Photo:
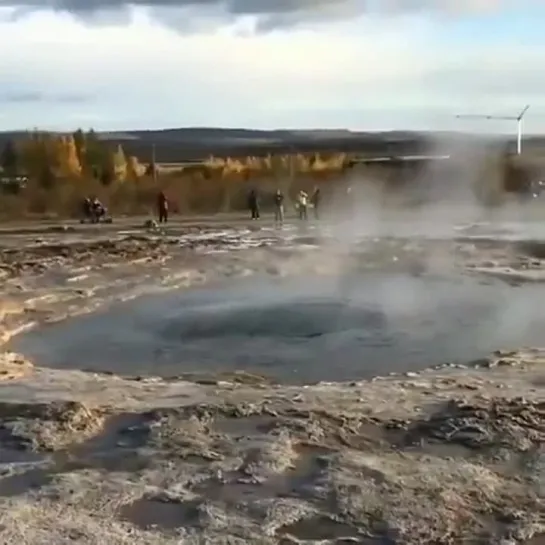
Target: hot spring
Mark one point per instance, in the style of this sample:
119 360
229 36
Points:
298 329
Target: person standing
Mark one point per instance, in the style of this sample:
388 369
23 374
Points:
315 199
98 210
302 201
87 209
278 207
253 204
162 207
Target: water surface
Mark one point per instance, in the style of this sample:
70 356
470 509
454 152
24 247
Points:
299 329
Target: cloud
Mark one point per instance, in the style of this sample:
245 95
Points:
32 97
369 72
267 14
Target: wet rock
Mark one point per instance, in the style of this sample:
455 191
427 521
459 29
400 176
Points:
151 224
516 423
14 366
52 426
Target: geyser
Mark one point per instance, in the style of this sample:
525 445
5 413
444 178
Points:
298 329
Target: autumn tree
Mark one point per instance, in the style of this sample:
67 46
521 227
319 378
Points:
133 169
81 149
67 159
119 164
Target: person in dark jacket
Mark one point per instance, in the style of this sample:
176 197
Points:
253 204
315 200
278 207
162 207
98 210
87 209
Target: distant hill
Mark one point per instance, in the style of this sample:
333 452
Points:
193 144
197 143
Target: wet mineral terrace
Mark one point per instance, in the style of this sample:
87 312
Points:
447 455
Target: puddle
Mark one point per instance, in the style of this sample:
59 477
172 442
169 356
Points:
321 328
245 426
156 513
320 528
116 447
22 483
303 480
442 450
9 456
536 540
121 431
12 445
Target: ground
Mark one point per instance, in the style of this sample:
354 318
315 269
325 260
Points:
449 455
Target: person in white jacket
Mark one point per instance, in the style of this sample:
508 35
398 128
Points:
302 202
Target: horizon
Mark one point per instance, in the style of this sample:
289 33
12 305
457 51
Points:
360 65
415 132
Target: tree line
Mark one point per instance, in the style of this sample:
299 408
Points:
46 157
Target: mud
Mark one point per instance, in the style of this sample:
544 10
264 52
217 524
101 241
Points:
448 455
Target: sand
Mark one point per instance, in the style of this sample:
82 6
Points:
450 455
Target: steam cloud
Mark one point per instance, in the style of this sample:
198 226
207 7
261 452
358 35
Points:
269 13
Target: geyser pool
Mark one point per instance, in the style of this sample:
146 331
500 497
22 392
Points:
297 329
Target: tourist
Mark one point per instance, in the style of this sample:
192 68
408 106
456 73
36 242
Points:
279 207
98 210
315 200
162 207
253 204
87 209
302 202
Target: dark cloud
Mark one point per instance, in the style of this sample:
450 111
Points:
269 14
234 7
32 97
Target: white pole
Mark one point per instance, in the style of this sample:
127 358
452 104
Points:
153 164
519 136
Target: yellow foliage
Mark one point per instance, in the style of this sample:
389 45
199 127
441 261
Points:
267 162
214 162
253 163
233 166
134 169
119 164
301 163
280 164
67 157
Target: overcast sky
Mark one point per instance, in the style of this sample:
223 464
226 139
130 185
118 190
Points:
358 64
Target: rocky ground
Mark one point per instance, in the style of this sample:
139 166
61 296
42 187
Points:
452 455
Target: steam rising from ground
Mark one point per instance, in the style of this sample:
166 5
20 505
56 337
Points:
96 458
445 200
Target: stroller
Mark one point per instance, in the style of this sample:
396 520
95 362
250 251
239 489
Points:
94 212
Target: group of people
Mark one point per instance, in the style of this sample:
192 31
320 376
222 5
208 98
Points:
303 201
93 209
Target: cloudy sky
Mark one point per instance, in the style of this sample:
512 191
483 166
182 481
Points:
359 64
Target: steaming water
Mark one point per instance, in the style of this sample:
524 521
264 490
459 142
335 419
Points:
298 330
